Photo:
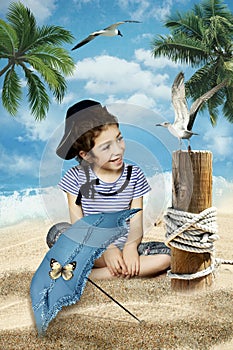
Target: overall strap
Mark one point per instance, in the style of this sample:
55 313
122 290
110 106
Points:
82 188
89 185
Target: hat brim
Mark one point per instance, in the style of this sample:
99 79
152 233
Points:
76 112
64 149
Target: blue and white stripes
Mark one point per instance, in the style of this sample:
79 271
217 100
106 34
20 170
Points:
137 187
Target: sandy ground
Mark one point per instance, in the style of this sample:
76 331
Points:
171 320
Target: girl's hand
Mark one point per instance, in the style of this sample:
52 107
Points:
131 259
114 261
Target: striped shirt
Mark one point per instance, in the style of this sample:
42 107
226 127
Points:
137 187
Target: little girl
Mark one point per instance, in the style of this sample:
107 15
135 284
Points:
102 182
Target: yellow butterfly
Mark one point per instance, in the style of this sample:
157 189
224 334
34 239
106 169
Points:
57 270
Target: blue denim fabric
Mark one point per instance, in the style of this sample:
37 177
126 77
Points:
145 248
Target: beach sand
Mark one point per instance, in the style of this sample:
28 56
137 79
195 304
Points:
197 320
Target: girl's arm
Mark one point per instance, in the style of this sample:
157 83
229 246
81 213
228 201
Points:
75 210
130 253
136 223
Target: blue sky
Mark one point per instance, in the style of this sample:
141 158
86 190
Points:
119 72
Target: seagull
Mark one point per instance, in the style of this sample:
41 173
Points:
109 31
184 119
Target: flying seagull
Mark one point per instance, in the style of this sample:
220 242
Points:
184 119
109 31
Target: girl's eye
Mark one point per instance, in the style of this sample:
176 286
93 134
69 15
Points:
120 138
105 148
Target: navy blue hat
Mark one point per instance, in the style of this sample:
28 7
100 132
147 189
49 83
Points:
74 114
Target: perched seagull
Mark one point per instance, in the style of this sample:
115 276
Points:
109 31
184 119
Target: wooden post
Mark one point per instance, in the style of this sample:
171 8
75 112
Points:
191 192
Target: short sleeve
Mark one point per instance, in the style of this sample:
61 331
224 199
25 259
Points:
141 186
71 181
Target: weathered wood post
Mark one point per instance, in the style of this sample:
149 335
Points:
191 192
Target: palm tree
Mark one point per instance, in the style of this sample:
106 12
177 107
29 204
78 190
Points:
37 52
203 38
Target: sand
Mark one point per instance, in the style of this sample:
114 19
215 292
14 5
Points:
197 320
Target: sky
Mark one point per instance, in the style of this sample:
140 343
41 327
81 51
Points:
122 74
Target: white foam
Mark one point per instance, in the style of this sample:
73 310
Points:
31 204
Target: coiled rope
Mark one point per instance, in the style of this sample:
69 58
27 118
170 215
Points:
193 233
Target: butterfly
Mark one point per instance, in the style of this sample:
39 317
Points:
57 270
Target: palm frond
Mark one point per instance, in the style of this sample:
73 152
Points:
55 35
54 57
11 92
204 80
8 39
46 71
37 96
180 48
51 76
45 36
218 33
60 89
228 66
190 25
201 81
213 114
211 8
23 22
228 105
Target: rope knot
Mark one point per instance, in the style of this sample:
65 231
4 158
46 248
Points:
191 232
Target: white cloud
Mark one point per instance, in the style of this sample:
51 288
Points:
17 164
221 145
104 67
145 37
41 130
135 99
141 9
163 11
70 97
146 57
112 75
37 130
41 9
219 140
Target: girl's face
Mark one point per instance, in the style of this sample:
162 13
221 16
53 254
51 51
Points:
109 149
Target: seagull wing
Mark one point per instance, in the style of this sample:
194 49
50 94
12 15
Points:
115 25
91 37
199 102
179 102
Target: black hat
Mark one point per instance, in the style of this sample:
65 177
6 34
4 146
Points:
79 117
